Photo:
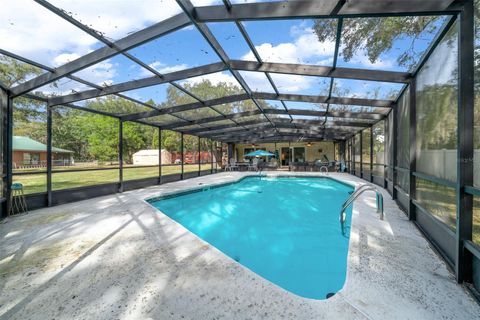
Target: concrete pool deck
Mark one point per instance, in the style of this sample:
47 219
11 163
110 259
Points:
116 257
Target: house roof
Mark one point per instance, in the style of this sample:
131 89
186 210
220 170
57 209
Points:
147 152
26 144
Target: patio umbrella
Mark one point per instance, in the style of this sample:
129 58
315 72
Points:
259 153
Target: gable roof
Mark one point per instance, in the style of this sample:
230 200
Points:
148 152
27 144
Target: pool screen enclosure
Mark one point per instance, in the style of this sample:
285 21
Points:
411 130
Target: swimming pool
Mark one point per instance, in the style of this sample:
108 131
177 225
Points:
286 229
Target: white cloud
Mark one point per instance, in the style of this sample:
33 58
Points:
101 73
168 69
30 30
62 87
293 83
307 49
444 72
214 78
64 58
304 49
285 83
116 19
361 59
257 81
163 68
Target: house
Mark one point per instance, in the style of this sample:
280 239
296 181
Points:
150 157
30 153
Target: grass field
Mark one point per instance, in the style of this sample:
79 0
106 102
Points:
440 201
476 220
37 182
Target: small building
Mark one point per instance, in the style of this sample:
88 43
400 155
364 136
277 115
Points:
150 157
28 153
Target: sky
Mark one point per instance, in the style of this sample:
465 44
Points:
29 30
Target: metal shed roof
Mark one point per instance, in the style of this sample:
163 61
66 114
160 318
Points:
27 144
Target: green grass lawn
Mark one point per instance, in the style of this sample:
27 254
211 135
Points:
440 201
476 220
36 182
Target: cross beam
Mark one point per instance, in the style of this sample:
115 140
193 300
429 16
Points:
314 113
324 99
271 96
141 83
328 9
129 42
226 127
322 71
237 115
282 138
186 107
281 127
240 115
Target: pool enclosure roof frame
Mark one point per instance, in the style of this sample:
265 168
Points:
236 13
282 124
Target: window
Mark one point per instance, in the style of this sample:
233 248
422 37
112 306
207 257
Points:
476 220
389 149
26 158
140 151
438 200
403 141
366 135
436 113
378 131
190 153
357 154
30 125
171 154
31 158
92 142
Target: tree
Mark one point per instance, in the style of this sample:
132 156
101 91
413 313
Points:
136 137
13 72
69 132
377 35
103 138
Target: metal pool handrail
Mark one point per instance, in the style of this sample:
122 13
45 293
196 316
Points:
354 196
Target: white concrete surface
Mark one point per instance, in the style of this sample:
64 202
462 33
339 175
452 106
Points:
116 257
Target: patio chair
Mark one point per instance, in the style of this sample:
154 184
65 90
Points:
233 165
319 164
271 165
254 165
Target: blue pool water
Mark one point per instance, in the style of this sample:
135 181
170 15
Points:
286 230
